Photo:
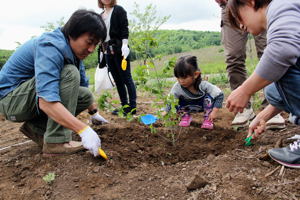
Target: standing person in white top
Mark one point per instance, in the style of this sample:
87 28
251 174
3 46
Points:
115 49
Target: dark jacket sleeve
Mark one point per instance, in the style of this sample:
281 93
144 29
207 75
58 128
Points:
119 24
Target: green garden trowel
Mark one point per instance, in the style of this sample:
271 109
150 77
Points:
248 141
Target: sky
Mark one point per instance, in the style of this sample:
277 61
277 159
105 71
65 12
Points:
20 20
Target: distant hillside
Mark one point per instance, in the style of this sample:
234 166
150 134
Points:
177 41
169 42
210 59
4 55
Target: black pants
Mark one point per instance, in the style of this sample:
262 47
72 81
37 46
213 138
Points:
123 79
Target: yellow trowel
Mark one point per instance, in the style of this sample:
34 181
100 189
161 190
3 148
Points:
102 154
124 64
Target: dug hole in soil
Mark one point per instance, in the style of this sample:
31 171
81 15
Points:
202 164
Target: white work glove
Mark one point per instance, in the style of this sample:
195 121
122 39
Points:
97 119
125 49
90 140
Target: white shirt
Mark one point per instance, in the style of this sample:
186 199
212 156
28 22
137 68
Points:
106 19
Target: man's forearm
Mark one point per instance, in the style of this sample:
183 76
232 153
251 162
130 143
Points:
57 112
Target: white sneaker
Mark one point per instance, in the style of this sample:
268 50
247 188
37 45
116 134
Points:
242 119
277 122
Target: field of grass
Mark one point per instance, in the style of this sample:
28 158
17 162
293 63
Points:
211 60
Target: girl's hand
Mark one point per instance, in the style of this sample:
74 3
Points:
256 127
164 113
213 115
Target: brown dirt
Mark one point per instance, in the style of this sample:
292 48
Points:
201 165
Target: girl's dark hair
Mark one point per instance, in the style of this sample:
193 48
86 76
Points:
187 66
233 9
85 21
101 5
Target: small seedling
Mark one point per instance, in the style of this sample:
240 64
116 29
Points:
49 178
248 141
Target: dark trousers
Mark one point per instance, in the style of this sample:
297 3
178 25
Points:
123 79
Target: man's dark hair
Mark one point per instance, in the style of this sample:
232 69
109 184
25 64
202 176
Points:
85 21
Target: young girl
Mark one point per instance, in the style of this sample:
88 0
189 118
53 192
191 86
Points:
194 94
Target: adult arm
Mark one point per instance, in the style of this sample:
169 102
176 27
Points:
258 125
123 22
239 98
57 112
124 31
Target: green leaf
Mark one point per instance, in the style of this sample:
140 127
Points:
49 178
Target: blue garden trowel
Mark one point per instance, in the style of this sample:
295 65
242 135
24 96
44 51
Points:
148 119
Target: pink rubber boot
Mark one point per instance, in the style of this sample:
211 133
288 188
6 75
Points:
185 120
207 124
